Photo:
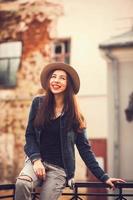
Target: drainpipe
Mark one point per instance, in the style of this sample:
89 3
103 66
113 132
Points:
116 135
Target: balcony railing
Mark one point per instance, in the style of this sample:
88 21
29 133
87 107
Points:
123 191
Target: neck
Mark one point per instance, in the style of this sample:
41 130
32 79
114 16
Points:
59 101
59 104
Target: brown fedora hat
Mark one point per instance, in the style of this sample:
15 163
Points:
61 66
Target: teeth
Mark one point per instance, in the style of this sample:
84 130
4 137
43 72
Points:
56 87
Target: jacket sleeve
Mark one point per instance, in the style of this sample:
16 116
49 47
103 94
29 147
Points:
88 156
31 147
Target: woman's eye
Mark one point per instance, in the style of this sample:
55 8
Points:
63 78
53 76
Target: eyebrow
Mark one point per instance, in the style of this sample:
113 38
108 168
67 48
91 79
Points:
62 75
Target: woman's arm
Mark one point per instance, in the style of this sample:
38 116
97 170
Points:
31 147
89 158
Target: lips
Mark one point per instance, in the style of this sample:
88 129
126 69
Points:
56 87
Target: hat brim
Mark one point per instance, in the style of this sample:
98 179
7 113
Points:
60 66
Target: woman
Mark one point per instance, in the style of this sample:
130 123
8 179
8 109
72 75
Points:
55 125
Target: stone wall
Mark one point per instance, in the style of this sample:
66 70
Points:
12 127
32 23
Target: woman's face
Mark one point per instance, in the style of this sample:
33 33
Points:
58 82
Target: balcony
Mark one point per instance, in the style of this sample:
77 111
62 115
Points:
124 191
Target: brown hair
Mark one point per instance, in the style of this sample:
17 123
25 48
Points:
73 118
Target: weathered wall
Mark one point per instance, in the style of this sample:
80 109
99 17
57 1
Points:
33 24
12 126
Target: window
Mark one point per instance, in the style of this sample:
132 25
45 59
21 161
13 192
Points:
10 54
61 50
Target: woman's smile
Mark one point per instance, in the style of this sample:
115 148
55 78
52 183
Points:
58 81
55 86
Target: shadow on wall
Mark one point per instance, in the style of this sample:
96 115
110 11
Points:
129 109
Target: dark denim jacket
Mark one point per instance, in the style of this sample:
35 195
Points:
68 140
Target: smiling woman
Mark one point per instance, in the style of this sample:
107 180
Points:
54 127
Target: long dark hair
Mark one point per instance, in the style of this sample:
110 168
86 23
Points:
73 118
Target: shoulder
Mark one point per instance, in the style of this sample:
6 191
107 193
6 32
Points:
38 99
82 133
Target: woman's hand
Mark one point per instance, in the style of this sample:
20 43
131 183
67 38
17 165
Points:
39 169
111 182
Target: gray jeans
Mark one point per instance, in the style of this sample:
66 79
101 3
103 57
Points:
51 187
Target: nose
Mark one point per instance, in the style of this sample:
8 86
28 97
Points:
56 80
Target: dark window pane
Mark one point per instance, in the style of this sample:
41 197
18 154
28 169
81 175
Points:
8 70
67 46
58 49
14 64
3 72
